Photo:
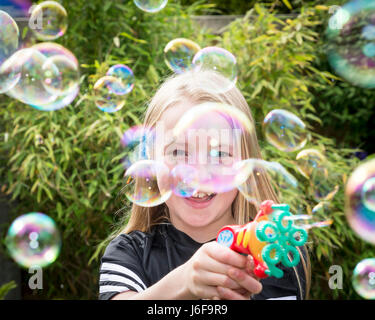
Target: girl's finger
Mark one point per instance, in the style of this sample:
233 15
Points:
229 294
225 255
245 280
217 279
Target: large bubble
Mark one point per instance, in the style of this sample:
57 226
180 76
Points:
151 6
322 178
363 278
50 20
284 130
208 137
147 183
350 42
184 180
105 99
33 240
30 87
179 54
359 210
220 61
126 77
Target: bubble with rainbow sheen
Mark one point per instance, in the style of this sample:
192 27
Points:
61 101
358 201
60 75
151 6
220 61
363 278
50 19
184 180
30 87
179 54
147 183
105 99
350 42
253 172
284 130
33 240
126 77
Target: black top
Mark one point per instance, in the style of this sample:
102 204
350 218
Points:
137 260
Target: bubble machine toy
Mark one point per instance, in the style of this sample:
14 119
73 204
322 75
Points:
270 239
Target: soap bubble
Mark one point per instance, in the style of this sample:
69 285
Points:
208 137
151 6
60 75
184 180
308 221
33 240
10 74
359 201
147 183
9 34
284 130
350 43
53 20
256 171
220 61
51 49
30 87
179 54
323 180
125 76
363 278
105 99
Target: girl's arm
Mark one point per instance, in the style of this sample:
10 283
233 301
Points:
214 271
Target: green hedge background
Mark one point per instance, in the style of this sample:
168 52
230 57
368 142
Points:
75 174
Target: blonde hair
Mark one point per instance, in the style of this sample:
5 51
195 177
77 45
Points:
199 87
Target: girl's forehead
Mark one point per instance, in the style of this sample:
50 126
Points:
206 121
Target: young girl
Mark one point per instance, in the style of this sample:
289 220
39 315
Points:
169 251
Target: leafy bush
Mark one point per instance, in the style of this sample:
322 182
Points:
67 163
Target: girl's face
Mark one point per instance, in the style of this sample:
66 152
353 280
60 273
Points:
205 206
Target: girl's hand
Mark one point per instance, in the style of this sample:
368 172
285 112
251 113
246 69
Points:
215 271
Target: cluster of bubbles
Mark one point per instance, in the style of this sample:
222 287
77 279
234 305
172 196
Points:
109 91
182 54
46 75
351 42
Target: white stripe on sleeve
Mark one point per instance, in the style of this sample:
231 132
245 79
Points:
284 298
104 289
120 269
123 280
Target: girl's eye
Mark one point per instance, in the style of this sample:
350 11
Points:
179 153
219 154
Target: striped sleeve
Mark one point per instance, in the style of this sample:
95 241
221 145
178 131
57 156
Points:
120 270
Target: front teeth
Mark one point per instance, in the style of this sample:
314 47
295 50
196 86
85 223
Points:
201 194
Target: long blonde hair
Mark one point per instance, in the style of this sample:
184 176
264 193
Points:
200 87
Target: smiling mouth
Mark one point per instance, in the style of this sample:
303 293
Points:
201 197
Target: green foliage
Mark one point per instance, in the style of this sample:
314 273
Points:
67 163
